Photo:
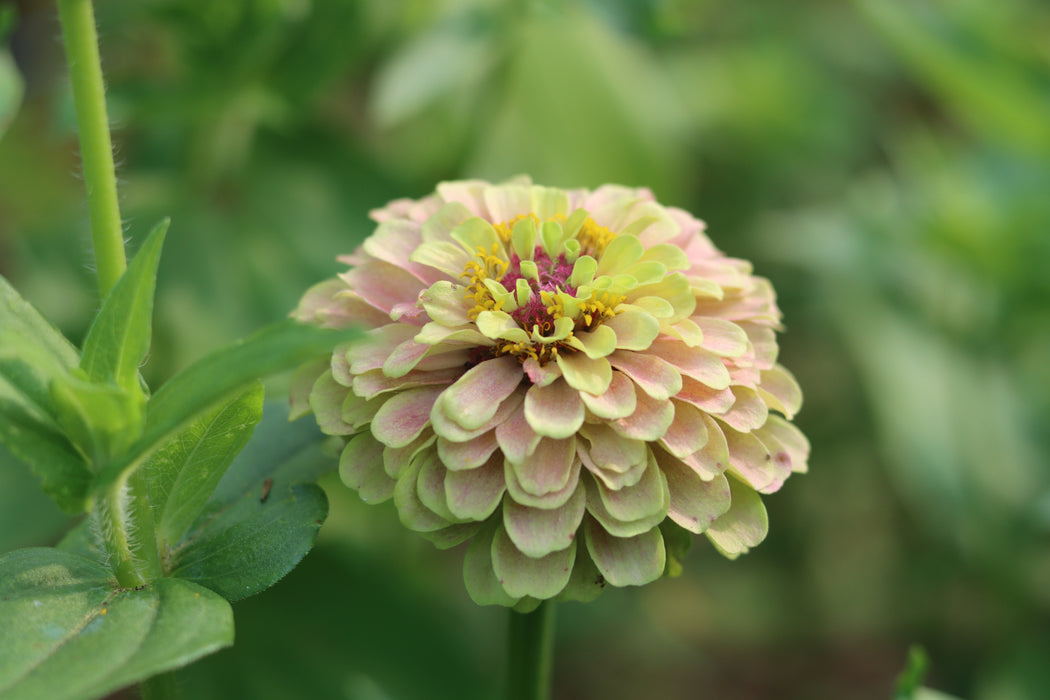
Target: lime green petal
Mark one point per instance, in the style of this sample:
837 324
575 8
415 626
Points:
548 202
395 459
464 456
618 401
635 330
621 253
445 256
780 391
413 514
451 536
555 499
440 225
586 582
326 401
671 256
523 238
599 342
521 575
361 468
626 561
555 410
583 373
476 233
505 202
446 303
674 288
743 526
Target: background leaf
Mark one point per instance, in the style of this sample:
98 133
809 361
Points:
68 633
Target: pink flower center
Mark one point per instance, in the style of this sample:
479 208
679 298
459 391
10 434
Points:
552 274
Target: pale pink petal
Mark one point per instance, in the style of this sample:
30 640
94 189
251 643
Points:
459 456
748 412
790 446
780 390
645 501
704 397
473 400
650 420
554 499
547 469
618 402
413 513
374 382
743 526
516 437
687 434
475 494
695 503
537 532
700 364
371 351
541 375
722 337
450 430
713 459
749 460
326 401
652 374
383 285
404 415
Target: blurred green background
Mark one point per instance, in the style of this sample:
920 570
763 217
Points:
885 163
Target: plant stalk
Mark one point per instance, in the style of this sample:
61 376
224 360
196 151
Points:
128 530
530 650
96 150
163 686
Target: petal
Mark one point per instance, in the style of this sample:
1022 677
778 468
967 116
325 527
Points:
473 400
617 402
374 382
780 390
705 398
404 358
649 498
396 458
554 499
608 450
722 337
749 460
650 420
656 377
688 431
626 561
541 375
516 437
479 578
475 494
748 412
361 468
539 531
464 456
326 401
444 256
439 225
743 526
521 575
450 430
548 468
446 303
413 514
698 363
302 382
599 342
505 202
624 528
635 329
358 412
586 582
555 410
372 351
404 415
383 285
430 486
790 446
614 479
584 373
695 503
713 459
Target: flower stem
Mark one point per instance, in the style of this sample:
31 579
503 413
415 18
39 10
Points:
128 530
96 151
163 686
530 649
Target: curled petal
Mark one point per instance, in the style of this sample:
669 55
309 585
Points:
473 400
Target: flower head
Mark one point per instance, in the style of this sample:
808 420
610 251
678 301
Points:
560 377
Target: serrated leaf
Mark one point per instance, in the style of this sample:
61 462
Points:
261 520
184 473
119 338
32 352
194 390
68 633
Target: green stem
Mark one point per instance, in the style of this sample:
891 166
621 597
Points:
96 150
530 649
163 686
128 531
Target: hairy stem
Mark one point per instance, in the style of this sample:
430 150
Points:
96 151
126 524
530 649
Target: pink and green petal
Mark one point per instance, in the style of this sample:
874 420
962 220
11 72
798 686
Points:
478 576
465 456
708 400
618 402
714 458
548 468
635 329
522 575
383 285
430 487
723 338
326 401
749 459
413 513
695 503
749 411
626 561
702 365
650 420
475 494
473 400
516 437
649 498
541 375
302 383
583 373
586 582
654 376
612 524
404 415
743 526
555 410
361 468
555 499
790 440
780 390
539 531
395 458
687 433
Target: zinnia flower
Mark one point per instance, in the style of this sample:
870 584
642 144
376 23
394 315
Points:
562 377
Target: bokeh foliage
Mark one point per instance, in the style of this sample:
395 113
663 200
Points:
885 163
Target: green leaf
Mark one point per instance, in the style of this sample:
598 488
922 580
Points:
68 633
910 679
119 338
184 472
103 420
32 353
261 520
194 390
